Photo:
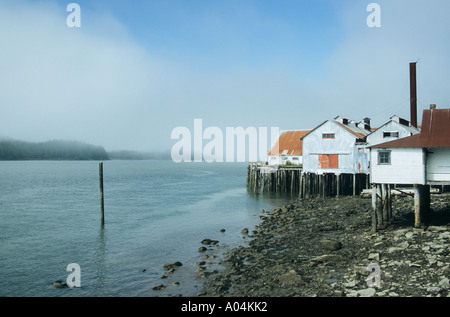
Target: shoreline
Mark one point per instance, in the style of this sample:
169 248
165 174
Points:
325 248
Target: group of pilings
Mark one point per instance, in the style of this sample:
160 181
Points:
267 179
291 180
382 205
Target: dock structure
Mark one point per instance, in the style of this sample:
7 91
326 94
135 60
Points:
290 179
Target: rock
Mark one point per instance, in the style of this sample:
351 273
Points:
433 290
290 278
437 228
222 230
331 245
171 267
244 231
158 287
349 284
327 258
444 283
202 249
209 242
59 284
367 292
374 256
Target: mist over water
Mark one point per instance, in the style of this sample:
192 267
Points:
155 212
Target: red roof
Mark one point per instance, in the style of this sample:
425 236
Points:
289 143
435 132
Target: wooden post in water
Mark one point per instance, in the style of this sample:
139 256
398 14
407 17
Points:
102 203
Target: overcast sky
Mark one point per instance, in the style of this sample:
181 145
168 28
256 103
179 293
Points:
135 70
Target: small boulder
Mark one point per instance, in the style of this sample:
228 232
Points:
331 245
209 242
158 287
59 284
171 267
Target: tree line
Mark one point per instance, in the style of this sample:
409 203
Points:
51 150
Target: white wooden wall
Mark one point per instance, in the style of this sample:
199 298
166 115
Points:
438 165
406 167
376 137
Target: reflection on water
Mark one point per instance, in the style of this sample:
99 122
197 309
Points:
100 267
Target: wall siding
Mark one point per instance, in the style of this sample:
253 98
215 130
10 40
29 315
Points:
343 144
438 165
407 167
377 136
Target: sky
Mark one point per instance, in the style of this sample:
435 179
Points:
136 70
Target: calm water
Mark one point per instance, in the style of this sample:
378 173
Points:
155 212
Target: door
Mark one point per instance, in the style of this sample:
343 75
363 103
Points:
327 161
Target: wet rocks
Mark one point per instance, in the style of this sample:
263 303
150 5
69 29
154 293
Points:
59 284
209 242
158 287
171 267
325 247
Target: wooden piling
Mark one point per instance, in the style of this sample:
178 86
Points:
102 202
421 203
379 208
374 208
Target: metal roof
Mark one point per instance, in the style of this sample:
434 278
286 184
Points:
289 143
435 132
359 133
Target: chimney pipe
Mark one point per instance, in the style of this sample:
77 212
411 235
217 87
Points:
413 89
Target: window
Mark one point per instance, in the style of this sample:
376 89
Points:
328 136
384 157
390 134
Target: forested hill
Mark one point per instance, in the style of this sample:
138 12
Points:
51 150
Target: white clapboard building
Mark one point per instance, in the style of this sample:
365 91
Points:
423 158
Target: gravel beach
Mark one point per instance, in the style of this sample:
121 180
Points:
325 248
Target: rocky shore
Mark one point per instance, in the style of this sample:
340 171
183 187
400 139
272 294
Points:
325 248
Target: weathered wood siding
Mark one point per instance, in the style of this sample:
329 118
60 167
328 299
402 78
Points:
406 167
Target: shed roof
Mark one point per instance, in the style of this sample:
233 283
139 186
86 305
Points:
289 143
435 132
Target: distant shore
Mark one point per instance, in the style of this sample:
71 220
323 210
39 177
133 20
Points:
64 150
325 248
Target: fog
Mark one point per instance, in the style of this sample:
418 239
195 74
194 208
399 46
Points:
107 84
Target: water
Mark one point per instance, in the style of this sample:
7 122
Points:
155 212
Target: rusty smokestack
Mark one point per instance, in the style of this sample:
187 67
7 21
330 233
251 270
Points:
413 89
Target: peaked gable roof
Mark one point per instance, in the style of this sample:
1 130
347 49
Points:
435 132
401 122
355 131
289 143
